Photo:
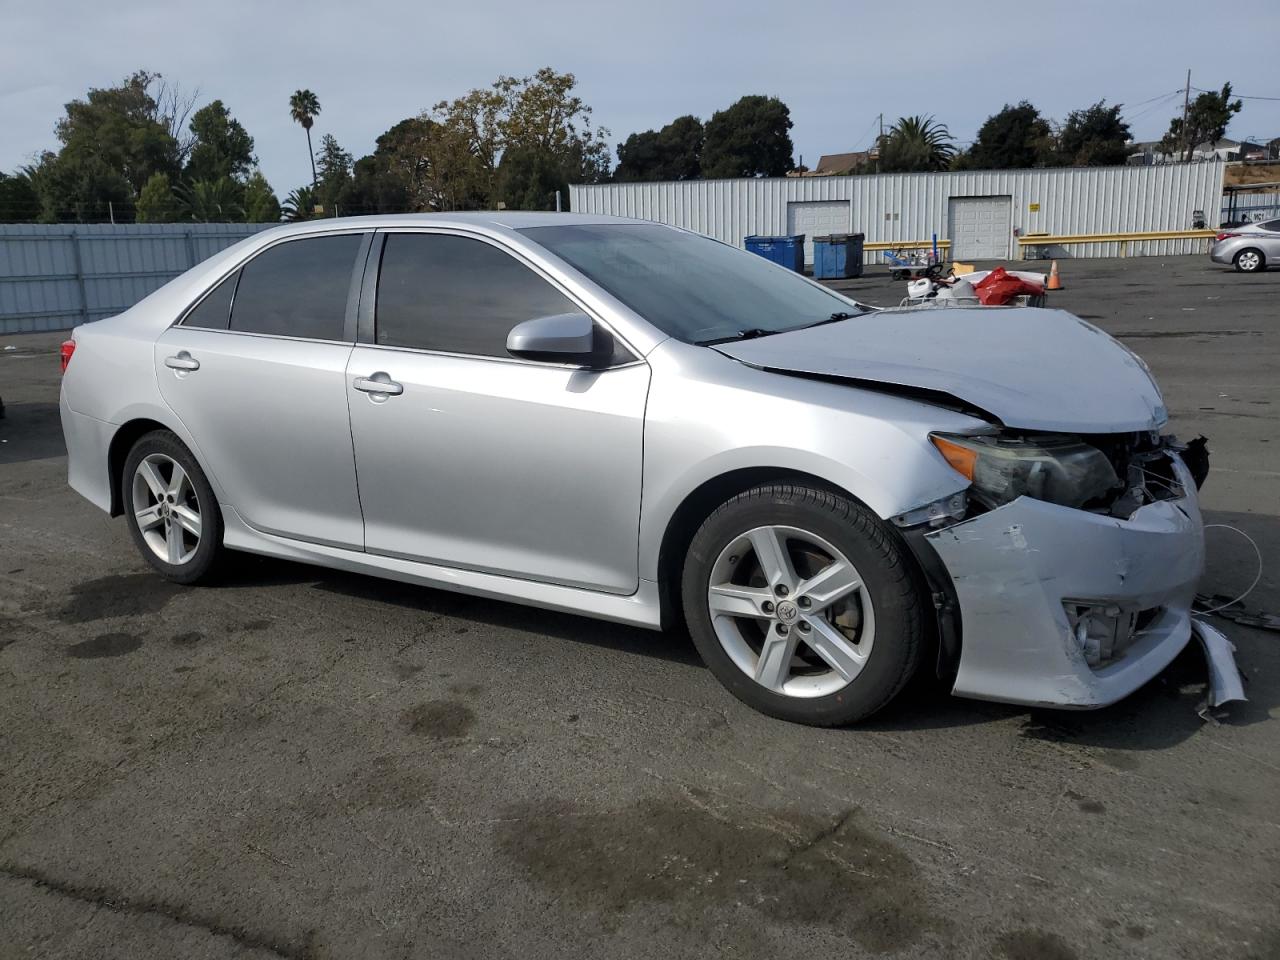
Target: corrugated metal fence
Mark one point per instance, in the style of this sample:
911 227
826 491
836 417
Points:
900 207
55 276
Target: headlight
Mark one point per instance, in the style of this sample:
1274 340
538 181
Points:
1059 470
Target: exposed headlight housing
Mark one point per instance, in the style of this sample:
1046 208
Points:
1062 470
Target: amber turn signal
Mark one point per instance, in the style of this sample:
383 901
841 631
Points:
962 459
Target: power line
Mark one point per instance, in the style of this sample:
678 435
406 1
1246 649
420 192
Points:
1238 96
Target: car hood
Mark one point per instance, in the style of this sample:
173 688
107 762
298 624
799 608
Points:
1028 367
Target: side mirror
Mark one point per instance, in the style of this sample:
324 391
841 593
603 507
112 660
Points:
560 338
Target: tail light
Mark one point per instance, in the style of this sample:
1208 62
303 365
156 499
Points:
1224 236
64 353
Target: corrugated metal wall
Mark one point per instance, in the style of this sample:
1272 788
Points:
912 206
55 276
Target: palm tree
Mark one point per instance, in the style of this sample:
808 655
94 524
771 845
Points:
211 201
303 107
299 205
916 143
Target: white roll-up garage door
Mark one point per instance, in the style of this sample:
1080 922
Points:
981 227
817 218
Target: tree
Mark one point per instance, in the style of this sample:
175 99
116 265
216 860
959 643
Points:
335 173
156 202
751 138
221 146
672 153
1207 120
538 120
299 205
211 201
1016 138
1094 137
260 203
916 144
111 143
303 107
19 202
546 130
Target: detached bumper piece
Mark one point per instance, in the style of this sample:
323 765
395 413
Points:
1225 683
1068 608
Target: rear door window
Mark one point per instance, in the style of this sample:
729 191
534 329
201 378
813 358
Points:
297 289
457 295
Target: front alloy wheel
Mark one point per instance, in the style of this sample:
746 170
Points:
804 604
791 611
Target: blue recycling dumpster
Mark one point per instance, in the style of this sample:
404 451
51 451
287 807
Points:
786 251
837 257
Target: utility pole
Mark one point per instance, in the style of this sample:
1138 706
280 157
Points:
1186 103
879 140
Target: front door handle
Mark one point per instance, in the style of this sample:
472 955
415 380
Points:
380 385
183 361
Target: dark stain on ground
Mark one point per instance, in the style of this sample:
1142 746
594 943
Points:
1183 334
439 719
1136 932
188 639
1119 759
1085 804
809 870
466 689
254 626
183 669
105 645
121 595
406 671
1033 945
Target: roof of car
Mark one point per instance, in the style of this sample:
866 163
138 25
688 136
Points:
510 219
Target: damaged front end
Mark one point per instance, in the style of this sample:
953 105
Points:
1072 565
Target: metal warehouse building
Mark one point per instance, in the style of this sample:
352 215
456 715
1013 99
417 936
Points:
982 214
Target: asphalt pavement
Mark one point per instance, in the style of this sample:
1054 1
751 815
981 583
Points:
302 763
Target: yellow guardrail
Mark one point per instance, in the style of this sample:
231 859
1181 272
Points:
1048 239
904 244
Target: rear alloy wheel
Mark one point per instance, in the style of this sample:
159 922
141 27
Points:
170 508
803 605
1249 261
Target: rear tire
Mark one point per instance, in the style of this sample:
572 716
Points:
1250 260
758 581
170 508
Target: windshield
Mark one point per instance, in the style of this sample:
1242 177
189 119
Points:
694 289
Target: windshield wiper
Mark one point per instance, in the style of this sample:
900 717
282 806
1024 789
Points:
749 334
834 318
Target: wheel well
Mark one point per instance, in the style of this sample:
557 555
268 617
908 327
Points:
699 505
121 444
1258 250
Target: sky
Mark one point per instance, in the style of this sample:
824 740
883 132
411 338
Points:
837 65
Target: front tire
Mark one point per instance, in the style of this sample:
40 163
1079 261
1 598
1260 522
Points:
1250 261
170 508
804 605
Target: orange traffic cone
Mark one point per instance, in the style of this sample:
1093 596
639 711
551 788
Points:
1054 283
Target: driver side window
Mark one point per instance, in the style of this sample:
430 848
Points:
456 295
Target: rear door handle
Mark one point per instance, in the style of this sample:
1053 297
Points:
379 384
183 361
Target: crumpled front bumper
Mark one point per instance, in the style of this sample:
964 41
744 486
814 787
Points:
1014 567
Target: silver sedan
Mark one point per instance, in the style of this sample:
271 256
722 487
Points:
636 423
1249 247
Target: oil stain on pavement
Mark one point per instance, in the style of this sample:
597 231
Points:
1033 945
121 595
439 719
799 869
105 645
